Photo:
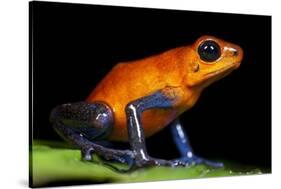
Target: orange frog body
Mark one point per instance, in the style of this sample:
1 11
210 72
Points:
139 98
176 69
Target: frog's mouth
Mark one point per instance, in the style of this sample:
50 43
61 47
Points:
216 75
219 74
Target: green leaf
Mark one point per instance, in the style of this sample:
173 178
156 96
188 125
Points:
52 163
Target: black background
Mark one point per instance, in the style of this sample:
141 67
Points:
75 45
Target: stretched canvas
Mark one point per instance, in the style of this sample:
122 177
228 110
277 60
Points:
125 94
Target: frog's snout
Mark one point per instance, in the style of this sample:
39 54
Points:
238 52
235 52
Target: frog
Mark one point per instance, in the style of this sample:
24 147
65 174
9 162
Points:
136 99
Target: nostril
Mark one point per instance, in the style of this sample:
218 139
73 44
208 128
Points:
235 53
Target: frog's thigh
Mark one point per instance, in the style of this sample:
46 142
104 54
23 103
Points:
92 120
81 123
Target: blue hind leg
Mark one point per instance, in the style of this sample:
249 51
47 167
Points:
83 124
181 140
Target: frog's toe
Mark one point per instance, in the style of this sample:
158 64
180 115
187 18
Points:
198 160
151 162
86 154
180 163
127 158
213 164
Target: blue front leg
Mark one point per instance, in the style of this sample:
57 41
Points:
181 140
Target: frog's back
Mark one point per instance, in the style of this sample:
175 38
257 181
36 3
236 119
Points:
130 81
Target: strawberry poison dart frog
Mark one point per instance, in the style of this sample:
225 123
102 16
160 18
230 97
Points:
137 99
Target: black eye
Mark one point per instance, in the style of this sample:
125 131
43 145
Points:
209 51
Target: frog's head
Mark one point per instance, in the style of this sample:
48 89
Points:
211 60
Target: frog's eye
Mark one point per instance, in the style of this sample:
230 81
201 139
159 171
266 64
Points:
209 51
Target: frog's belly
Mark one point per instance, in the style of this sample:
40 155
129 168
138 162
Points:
152 121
